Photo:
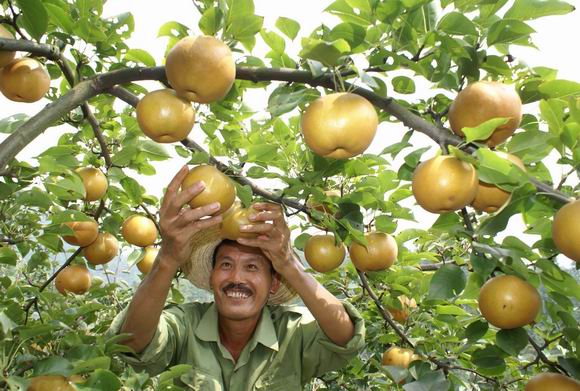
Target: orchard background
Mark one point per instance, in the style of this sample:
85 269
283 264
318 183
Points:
409 58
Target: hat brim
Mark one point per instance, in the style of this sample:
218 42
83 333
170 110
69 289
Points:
198 268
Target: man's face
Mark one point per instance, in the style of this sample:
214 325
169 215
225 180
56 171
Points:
241 281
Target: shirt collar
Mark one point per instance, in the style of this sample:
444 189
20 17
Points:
265 333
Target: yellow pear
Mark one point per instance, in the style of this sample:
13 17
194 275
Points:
508 302
444 184
165 117
102 250
24 80
482 101
490 198
200 69
322 253
5 55
218 187
94 181
379 254
566 230
74 278
146 263
340 125
85 232
139 230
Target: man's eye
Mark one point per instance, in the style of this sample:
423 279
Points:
252 267
226 265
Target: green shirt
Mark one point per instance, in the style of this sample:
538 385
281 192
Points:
287 349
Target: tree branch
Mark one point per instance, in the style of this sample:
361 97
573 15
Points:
542 357
151 217
34 300
104 82
384 313
22 45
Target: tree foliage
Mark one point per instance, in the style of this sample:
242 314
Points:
382 50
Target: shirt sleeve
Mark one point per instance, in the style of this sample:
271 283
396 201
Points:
160 352
321 355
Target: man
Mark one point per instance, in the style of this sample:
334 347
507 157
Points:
244 340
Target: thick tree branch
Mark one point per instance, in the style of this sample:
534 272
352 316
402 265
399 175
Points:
104 82
49 51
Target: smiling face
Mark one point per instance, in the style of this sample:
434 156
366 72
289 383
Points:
242 281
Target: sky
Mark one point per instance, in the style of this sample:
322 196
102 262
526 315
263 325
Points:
555 39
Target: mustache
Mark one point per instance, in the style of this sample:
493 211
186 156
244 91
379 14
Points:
241 287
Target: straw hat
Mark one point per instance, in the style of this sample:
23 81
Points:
199 267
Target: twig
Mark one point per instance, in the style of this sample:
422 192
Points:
384 313
34 300
14 18
542 357
150 216
565 177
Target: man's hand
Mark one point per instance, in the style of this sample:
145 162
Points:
178 222
273 235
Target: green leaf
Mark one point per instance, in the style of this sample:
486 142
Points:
559 88
508 31
403 85
244 193
140 56
475 331
327 53
173 29
489 357
8 256
103 380
173 372
133 190
10 124
273 40
499 171
484 130
455 23
245 26
286 98
346 13
533 9
35 198
52 366
68 215
512 341
60 17
350 32
92 364
34 17
211 21
447 282
386 224
288 27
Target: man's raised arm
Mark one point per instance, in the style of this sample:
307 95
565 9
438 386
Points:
274 240
178 225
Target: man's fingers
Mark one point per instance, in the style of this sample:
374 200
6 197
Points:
257 228
190 216
173 186
265 216
200 225
186 195
274 213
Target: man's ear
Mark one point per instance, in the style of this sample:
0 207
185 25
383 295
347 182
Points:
275 283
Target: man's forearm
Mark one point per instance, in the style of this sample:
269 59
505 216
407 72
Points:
325 307
145 309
